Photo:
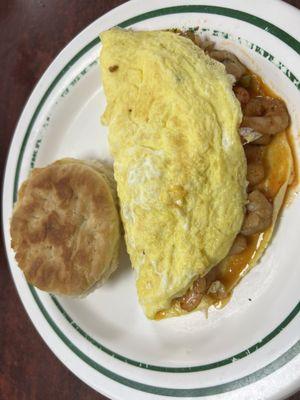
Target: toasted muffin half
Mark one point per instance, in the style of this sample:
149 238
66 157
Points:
65 227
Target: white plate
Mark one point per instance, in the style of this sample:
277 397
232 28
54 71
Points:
250 349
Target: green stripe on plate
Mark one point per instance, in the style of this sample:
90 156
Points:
227 12
164 391
197 368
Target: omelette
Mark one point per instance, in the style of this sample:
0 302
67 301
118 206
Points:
178 159
202 161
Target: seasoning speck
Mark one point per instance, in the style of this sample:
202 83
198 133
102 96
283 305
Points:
113 68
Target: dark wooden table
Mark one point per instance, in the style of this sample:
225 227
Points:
32 32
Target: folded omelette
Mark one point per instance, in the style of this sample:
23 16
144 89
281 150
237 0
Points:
178 159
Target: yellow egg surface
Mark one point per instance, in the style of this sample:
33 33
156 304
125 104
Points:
178 160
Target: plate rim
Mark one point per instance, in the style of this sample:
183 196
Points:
132 20
187 369
136 363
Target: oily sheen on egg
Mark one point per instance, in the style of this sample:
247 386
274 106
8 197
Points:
179 163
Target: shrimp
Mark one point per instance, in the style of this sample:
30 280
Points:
212 275
255 173
217 289
266 115
192 298
241 94
239 245
207 45
254 153
259 216
232 64
264 140
190 35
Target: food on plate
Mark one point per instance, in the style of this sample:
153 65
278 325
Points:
179 161
65 226
202 163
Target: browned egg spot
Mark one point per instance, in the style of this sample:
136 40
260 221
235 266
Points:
113 68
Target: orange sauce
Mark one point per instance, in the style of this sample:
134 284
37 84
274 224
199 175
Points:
274 157
294 184
233 268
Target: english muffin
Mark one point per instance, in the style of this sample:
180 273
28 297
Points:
65 227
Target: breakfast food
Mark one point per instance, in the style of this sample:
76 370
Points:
202 167
179 162
65 227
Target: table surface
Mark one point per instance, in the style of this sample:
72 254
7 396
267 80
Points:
32 34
